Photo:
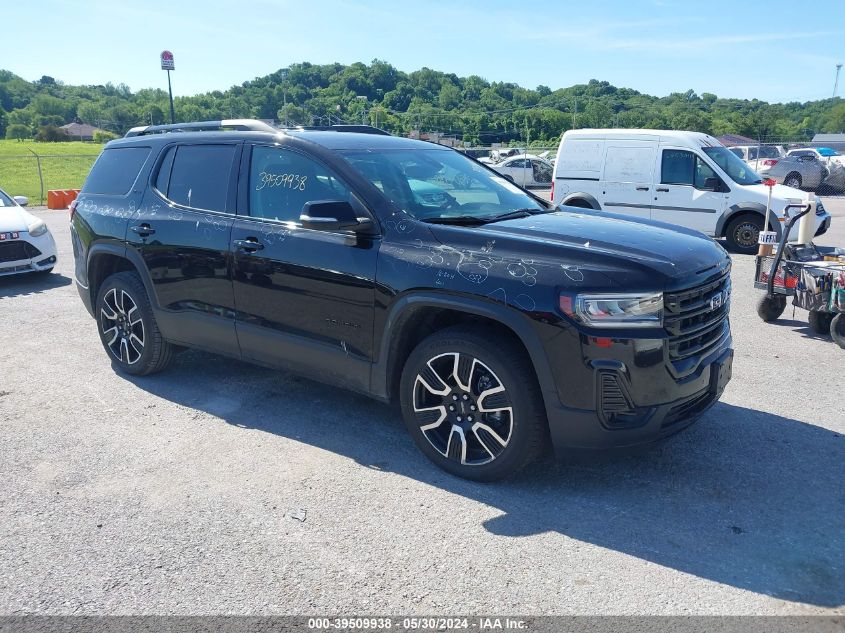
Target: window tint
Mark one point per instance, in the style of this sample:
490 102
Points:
200 176
677 167
737 152
163 177
115 171
282 181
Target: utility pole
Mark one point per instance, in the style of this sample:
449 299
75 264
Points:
836 81
574 113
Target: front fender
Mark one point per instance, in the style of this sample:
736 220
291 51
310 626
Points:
744 207
404 306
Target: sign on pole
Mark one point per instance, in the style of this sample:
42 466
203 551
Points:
167 61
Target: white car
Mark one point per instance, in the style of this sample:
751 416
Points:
825 155
526 170
26 244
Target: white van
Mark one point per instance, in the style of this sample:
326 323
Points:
684 178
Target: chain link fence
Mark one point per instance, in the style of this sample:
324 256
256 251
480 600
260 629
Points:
34 174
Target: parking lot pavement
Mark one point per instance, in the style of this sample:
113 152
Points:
219 487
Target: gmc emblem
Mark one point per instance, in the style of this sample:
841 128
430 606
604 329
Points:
716 301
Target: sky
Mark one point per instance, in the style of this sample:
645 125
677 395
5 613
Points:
774 51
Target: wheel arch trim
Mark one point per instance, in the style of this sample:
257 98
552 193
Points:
583 195
507 317
122 252
741 208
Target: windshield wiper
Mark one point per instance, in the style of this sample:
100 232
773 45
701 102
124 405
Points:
516 213
463 220
467 220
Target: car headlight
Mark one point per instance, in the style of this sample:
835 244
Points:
640 310
37 228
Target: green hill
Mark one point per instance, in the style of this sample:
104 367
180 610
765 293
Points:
471 108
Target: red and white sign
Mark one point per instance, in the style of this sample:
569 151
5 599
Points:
167 61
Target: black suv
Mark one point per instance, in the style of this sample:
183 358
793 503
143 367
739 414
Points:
409 272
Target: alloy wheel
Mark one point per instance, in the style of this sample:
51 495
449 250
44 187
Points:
463 409
122 326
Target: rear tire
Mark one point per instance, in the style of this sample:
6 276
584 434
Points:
820 321
837 329
471 402
127 327
743 232
770 308
793 179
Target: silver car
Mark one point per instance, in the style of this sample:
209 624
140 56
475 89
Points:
800 172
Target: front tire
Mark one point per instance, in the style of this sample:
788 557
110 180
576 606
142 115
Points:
127 327
743 232
770 308
472 404
820 321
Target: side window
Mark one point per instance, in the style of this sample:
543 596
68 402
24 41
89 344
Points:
282 181
737 152
677 167
115 171
200 176
163 177
702 173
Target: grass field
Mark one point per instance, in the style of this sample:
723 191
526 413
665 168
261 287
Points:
63 165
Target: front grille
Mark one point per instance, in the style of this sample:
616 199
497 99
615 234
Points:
694 318
16 250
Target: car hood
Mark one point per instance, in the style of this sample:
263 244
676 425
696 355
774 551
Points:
602 241
779 193
15 219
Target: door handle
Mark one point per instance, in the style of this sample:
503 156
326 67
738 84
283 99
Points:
249 245
642 188
663 189
143 229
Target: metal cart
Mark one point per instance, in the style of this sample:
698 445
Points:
814 276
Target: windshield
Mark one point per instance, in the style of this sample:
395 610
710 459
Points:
440 184
766 151
736 168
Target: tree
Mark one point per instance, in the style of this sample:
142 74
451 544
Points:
104 136
51 134
18 132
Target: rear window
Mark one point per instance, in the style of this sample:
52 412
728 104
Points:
200 176
116 170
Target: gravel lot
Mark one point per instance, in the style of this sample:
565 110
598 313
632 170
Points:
220 487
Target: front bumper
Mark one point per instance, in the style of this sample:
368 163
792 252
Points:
589 429
27 254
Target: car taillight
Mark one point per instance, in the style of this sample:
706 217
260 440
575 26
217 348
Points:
72 208
770 162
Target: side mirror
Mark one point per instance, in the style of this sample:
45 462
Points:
712 184
21 200
332 215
